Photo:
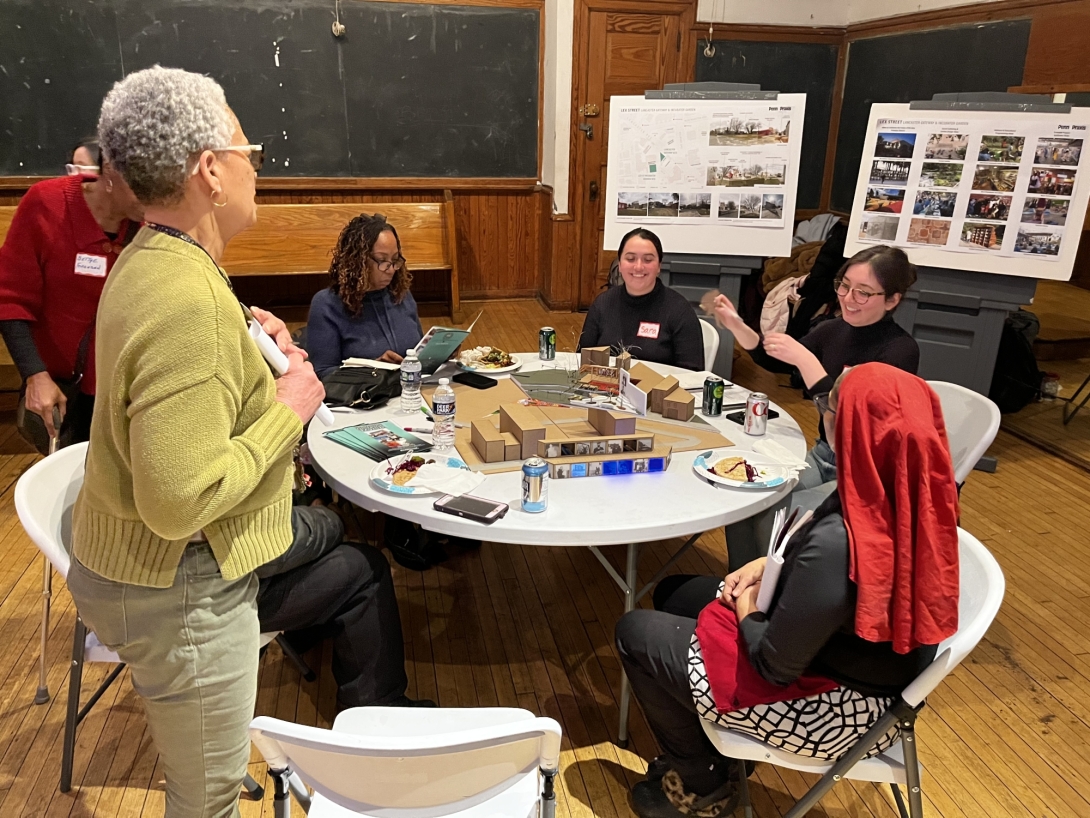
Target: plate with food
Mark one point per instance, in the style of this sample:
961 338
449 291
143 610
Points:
488 360
397 473
740 468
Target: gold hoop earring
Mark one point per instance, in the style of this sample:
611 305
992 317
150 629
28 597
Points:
217 204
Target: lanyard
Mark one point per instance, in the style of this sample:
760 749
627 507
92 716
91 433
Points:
174 232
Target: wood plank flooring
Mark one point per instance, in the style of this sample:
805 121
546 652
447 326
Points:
1008 734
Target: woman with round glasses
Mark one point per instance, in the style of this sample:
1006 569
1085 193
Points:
869 287
367 311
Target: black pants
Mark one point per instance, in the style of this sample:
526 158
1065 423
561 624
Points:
654 648
322 586
76 426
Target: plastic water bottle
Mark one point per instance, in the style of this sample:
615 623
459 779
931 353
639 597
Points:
410 383
442 406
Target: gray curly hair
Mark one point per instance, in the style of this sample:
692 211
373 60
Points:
153 122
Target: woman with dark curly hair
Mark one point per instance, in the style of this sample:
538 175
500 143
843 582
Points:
367 311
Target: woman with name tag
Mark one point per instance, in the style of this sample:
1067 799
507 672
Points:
869 287
185 542
867 590
644 316
64 239
367 311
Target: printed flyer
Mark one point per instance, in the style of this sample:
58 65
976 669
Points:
1008 188
710 164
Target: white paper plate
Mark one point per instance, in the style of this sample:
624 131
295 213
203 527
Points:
483 370
382 473
770 474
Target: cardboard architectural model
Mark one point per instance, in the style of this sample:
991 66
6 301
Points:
607 444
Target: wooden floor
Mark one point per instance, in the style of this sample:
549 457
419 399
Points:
1006 735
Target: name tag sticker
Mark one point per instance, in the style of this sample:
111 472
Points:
648 330
90 265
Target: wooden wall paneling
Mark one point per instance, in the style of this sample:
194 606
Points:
834 127
1059 46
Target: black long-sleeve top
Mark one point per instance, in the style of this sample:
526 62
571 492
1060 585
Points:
837 344
661 326
811 622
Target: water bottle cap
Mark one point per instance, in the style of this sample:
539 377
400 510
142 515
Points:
410 353
444 381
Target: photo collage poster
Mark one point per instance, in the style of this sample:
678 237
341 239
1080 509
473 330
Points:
1008 188
704 164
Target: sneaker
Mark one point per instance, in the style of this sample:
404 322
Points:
668 798
411 554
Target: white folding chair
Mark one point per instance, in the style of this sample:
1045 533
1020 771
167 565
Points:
711 343
44 497
982 587
393 762
972 422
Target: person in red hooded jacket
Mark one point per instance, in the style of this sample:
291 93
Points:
63 240
867 591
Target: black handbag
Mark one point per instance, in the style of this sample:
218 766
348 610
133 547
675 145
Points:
361 387
30 424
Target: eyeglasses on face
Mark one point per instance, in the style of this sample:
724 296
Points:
859 296
822 403
79 170
256 153
386 264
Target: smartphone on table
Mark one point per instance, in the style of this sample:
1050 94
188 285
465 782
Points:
472 508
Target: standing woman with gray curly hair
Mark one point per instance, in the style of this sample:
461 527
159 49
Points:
189 469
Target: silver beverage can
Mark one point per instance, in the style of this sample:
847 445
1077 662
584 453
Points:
535 485
756 414
546 343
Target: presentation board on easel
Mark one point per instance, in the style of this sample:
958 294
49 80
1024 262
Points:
985 191
712 176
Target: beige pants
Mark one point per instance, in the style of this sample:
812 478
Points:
192 651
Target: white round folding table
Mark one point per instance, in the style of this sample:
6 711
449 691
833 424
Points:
588 511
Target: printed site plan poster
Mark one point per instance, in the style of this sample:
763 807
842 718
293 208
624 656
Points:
996 192
708 176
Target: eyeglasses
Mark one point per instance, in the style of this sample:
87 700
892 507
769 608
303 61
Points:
822 403
844 289
256 153
386 264
79 170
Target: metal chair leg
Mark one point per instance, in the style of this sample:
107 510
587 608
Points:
743 790
42 695
912 767
902 808
254 791
71 719
293 654
548 794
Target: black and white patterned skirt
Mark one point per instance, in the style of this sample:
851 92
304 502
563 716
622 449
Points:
824 726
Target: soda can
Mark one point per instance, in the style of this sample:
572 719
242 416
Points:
535 485
546 343
756 414
713 397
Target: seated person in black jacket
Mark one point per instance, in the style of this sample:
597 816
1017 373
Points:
644 316
869 287
845 633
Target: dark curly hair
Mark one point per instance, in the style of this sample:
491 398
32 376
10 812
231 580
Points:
348 276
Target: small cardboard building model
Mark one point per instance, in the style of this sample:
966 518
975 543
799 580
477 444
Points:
524 425
594 356
679 405
659 392
607 422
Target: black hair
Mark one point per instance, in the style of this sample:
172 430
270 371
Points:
91 143
643 233
895 273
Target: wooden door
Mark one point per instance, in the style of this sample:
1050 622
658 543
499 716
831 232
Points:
628 48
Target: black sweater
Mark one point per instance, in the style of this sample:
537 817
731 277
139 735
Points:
811 626
837 344
615 319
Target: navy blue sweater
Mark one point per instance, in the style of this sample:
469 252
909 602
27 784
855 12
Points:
333 334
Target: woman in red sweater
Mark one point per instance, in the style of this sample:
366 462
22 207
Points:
63 241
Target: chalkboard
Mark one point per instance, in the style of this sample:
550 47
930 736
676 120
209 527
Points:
907 67
807 68
411 89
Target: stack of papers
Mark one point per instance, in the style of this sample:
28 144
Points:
378 441
782 529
